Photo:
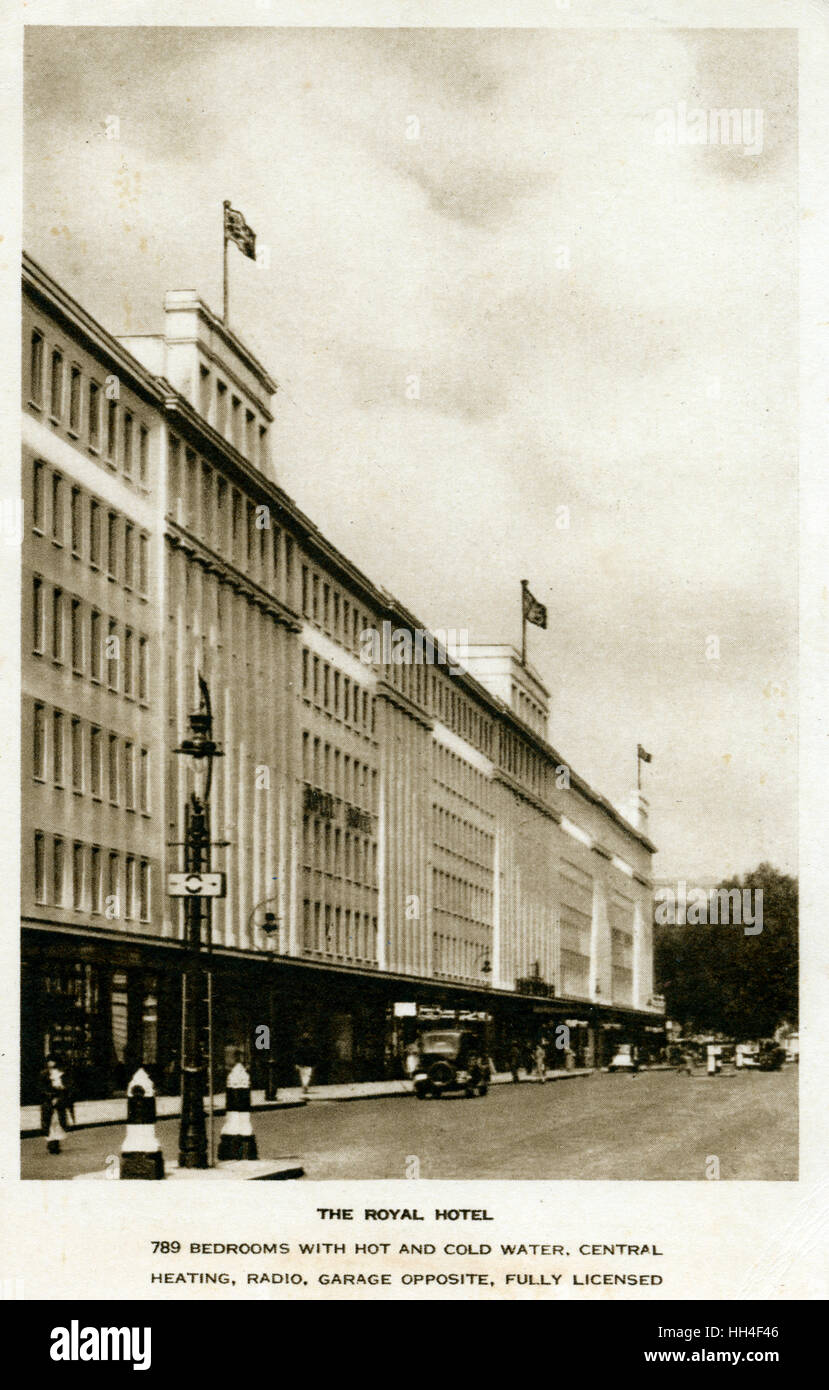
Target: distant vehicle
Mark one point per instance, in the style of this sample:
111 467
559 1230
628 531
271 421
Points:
624 1059
765 1055
772 1055
451 1060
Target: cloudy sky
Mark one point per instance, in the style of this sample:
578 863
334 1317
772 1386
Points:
596 322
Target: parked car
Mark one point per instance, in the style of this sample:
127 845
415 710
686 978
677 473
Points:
624 1058
451 1061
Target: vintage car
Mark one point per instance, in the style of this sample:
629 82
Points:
623 1059
451 1060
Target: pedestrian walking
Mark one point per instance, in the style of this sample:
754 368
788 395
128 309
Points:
306 1060
56 1105
411 1058
540 1057
515 1061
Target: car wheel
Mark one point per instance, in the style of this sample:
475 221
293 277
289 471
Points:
482 1090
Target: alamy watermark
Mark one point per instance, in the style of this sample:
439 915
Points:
682 906
740 127
403 646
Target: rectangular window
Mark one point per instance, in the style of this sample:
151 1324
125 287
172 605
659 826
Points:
96 645
129 670
112 545
250 434
236 415
95 883
143 455
76 521
57 625
113 769
39 742
96 770
36 369
144 782
94 421
76 633
263 447
143 563
94 535
129 555
40 867
143 670
75 399
37 615
204 391
112 431
129 776
77 876
221 406
129 889
38 476
57 509
126 445
57 748
113 655
207 519
56 385
144 891
77 755
113 884
57 872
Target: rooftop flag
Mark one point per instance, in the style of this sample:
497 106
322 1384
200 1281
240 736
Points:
235 229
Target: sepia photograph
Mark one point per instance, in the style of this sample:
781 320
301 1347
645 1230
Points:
409 610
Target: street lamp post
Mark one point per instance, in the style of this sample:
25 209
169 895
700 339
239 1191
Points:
201 747
269 925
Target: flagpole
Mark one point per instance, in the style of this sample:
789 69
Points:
225 207
523 624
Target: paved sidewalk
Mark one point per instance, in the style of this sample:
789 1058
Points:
111 1112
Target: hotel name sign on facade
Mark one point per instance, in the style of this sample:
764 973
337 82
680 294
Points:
407 822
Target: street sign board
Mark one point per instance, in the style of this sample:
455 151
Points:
196 885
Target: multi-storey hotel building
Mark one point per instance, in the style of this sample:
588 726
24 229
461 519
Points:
399 839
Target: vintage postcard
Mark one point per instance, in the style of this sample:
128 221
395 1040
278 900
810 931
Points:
413 554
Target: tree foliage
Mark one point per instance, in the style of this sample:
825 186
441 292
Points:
715 978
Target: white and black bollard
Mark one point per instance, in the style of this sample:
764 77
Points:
237 1139
141 1155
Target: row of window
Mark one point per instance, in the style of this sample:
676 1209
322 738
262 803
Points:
92 879
342 932
69 752
457 958
103 538
99 647
462 839
458 776
243 532
337 853
335 693
346 778
575 974
232 418
454 896
89 408
326 606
